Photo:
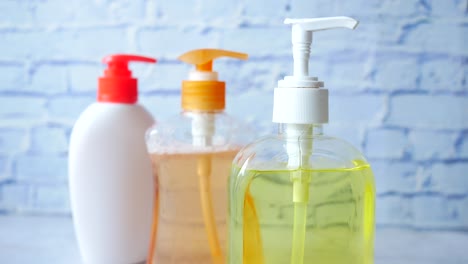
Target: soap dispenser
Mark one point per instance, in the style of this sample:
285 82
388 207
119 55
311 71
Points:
110 174
301 196
191 156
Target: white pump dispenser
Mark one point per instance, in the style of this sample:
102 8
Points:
304 170
299 103
299 99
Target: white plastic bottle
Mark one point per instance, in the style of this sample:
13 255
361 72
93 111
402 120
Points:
110 172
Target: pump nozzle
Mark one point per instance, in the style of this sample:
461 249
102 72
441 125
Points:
202 91
203 58
117 85
316 24
302 37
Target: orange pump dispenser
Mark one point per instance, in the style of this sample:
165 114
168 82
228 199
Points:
192 155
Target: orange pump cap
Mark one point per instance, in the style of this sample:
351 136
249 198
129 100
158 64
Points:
203 91
203 58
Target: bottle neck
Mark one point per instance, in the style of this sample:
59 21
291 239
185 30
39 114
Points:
299 142
203 126
302 130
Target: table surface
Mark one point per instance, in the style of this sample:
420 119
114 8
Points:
41 239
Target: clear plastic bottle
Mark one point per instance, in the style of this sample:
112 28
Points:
337 219
300 196
191 156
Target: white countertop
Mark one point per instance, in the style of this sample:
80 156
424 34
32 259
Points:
40 239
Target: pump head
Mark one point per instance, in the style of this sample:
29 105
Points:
302 37
298 98
202 91
117 85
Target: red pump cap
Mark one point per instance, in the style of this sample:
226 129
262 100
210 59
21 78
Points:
117 85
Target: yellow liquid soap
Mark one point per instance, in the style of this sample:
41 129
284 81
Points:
191 208
339 217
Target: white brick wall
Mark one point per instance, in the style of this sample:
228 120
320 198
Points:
398 84
429 111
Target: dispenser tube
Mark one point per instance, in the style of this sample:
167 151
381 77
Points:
299 231
204 95
204 173
299 148
203 128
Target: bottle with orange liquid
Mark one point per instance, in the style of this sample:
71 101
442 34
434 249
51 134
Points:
191 156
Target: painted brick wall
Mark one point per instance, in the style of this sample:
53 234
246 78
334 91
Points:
398 86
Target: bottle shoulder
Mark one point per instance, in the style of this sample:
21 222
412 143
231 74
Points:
115 112
108 120
271 152
185 121
105 130
178 132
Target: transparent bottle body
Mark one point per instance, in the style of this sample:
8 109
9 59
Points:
269 224
190 174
